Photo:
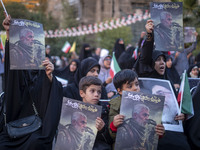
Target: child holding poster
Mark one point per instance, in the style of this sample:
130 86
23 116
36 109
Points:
125 80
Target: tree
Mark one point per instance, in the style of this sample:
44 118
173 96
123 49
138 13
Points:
107 39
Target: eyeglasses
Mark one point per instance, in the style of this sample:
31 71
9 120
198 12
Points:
107 59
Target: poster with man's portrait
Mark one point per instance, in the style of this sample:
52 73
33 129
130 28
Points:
168 25
171 108
189 35
76 129
142 113
26 44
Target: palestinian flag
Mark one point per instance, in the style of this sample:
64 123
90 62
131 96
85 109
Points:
66 47
114 67
184 97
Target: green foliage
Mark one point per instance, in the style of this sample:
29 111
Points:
107 39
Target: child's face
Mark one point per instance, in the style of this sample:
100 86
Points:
92 94
132 86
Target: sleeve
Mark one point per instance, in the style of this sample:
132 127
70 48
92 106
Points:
114 110
144 63
191 48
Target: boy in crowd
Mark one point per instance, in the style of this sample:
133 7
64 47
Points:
90 91
125 80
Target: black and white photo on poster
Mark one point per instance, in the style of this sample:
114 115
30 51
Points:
171 107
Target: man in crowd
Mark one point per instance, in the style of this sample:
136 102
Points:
26 53
134 132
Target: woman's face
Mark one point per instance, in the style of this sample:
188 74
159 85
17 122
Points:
107 62
73 66
169 63
160 65
93 72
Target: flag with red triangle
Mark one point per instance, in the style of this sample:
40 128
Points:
184 97
114 67
66 47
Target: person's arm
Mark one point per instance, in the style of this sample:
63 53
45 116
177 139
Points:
192 47
6 24
141 40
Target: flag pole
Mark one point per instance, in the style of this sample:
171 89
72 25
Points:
4 8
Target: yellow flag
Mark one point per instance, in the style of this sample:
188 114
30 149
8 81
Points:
73 48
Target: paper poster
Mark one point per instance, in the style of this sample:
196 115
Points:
168 26
142 113
26 44
171 108
76 130
189 35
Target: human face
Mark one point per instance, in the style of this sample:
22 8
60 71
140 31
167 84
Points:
91 95
195 71
132 86
160 90
93 72
28 39
80 124
160 65
73 66
168 21
169 63
142 117
107 62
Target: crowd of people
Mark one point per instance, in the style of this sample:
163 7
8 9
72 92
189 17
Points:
89 81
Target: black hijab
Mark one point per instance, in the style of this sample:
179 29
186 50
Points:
118 48
125 60
65 73
85 53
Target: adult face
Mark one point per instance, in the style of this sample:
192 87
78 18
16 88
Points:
142 117
167 22
121 41
28 39
160 90
92 94
80 124
195 71
160 65
73 66
93 72
132 86
107 62
169 63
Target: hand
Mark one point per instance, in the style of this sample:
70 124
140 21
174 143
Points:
180 117
118 120
176 86
160 130
142 34
6 24
99 124
49 68
196 34
109 80
177 54
149 26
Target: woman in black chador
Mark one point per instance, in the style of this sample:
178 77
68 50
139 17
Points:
23 87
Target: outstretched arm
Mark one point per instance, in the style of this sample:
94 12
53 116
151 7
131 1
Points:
6 24
49 67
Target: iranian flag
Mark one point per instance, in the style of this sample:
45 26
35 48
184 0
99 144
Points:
114 67
1 44
184 97
66 47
